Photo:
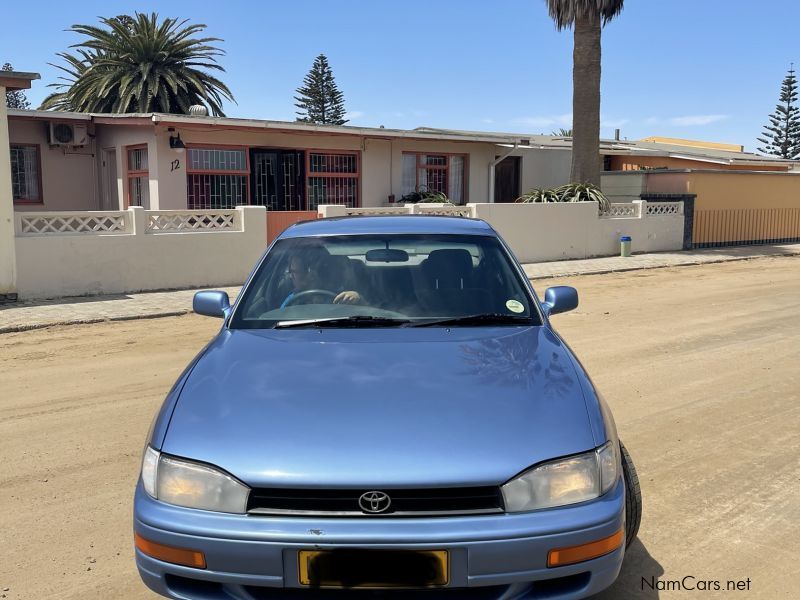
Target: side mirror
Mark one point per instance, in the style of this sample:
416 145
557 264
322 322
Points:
559 299
211 304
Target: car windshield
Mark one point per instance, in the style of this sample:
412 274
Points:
384 281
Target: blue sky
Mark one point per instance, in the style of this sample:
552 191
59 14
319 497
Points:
699 69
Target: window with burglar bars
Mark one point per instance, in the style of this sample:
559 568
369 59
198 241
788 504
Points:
216 178
26 173
332 178
138 176
443 173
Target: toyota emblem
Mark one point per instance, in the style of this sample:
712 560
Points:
374 502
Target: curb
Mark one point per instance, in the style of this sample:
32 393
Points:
33 326
651 267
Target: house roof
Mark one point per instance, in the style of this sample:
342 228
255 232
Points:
48 115
694 143
708 153
703 152
257 125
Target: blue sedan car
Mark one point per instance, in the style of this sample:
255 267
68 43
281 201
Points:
386 411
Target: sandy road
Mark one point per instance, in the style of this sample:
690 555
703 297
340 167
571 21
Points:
700 364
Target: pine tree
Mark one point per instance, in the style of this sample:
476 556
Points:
782 135
319 99
15 99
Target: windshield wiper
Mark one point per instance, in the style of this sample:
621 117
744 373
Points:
351 321
480 319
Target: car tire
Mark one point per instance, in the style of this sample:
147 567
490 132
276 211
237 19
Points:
633 497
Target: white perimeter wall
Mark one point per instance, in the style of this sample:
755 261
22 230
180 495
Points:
557 231
64 254
75 264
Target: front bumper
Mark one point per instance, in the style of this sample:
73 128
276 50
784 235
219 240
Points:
491 557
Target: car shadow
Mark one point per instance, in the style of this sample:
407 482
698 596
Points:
639 572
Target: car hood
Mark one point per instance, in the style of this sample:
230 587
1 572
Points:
380 407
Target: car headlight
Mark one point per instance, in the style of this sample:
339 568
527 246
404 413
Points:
565 481
190 484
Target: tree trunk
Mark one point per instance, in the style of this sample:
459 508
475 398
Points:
586 101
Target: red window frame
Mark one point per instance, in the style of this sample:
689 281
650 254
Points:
246 172
331 174
40 200
445 168
131 173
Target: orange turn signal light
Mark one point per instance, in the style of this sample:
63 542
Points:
170 554
575 554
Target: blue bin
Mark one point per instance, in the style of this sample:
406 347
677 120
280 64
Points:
625 245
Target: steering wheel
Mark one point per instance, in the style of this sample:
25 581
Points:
293 300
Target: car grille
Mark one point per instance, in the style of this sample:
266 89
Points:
404 502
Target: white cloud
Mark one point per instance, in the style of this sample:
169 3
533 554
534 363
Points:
487 121
697 119
354 115
564 120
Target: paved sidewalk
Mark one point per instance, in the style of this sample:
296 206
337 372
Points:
22 316
615 264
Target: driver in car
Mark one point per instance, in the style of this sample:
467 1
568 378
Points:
305 277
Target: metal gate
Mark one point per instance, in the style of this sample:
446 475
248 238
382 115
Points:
745 226
278 179
278 220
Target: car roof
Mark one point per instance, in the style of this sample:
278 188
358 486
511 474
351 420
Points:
358 225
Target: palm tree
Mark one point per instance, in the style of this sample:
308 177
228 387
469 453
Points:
587 17
136 64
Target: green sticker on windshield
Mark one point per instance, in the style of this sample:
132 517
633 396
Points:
515 306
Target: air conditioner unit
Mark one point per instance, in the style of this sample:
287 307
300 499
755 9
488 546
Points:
67 134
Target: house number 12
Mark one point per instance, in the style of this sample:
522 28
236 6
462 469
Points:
175 165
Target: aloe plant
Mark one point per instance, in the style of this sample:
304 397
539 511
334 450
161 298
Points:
538 195
571 192
426 197
435 197
583 192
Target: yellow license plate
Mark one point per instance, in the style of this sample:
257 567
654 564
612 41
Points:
373 569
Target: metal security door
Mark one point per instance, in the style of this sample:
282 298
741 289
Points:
278 179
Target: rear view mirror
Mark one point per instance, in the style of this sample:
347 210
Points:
559 299
211 303
387 255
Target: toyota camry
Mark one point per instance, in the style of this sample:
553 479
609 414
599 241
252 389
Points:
386 410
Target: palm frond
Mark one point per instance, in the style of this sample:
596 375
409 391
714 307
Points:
138 64
564 12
